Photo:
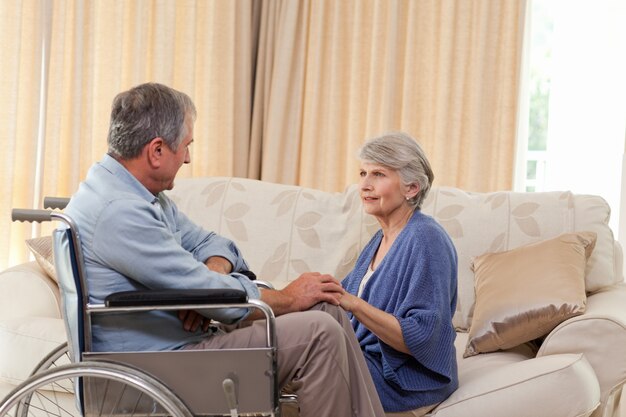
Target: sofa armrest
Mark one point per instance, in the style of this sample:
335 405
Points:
600 334
27 291
30 320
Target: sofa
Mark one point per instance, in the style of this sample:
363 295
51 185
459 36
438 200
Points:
541 312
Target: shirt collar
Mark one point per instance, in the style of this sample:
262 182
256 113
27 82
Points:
121 173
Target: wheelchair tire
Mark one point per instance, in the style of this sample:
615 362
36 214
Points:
57 357
108 389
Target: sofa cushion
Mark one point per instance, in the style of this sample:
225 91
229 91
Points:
603 268
24 343
524 293
557 385
282 230
41 248
307 229
493 222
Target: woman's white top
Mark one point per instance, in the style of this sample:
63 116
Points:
364 280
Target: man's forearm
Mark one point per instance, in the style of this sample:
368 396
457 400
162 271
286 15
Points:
219 264
301 294
280 302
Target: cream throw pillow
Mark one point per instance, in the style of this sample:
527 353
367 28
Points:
524 293
41 247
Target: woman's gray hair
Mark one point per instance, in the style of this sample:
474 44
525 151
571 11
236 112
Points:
145 112
400 152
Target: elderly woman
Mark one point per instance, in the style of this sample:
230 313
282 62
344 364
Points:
401 294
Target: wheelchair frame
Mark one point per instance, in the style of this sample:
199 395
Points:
151 374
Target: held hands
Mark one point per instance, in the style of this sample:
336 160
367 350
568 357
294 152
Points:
311 288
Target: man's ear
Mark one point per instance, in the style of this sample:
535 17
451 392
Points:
154 151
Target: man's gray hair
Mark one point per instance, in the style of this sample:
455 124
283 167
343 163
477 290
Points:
401 152
145 112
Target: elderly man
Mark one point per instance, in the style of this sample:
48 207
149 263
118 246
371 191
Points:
134 237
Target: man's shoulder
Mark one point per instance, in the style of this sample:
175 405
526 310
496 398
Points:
93 208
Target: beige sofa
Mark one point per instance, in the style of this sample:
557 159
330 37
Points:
577 368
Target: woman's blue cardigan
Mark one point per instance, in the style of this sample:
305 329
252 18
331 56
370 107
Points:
416 282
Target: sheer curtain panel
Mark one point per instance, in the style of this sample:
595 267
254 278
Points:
332 73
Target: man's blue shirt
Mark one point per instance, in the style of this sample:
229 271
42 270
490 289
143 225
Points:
134 240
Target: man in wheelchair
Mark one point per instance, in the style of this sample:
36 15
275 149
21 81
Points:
134 237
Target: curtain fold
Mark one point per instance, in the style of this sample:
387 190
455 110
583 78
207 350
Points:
279 88
286 90
100 48
339 72
97 49
21 29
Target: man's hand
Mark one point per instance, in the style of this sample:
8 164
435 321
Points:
311 288
303 293
192 320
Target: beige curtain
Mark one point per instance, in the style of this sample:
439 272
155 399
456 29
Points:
100 48
96 49
21 25
286 90
333 73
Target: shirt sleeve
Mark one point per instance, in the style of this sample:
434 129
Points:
133 238
199 242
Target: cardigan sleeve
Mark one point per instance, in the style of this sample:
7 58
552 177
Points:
420 279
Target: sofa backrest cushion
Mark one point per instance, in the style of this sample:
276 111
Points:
285 230
282 230
481 223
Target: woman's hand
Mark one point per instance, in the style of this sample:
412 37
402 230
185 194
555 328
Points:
349 302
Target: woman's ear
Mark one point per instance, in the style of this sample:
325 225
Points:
154 150
412 190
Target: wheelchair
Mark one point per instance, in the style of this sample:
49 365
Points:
73 380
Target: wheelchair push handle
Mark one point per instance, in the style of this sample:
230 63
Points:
31 215
55 202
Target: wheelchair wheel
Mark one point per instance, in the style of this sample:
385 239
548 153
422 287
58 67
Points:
106 389
59 356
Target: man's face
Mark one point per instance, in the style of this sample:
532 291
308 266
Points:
172 161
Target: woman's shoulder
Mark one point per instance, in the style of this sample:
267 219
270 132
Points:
424 228
425 223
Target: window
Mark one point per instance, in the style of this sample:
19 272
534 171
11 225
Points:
575 79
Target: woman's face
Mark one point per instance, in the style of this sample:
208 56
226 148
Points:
382 191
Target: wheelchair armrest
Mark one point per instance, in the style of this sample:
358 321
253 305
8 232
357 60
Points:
264 284
175 297
260 284
251 275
